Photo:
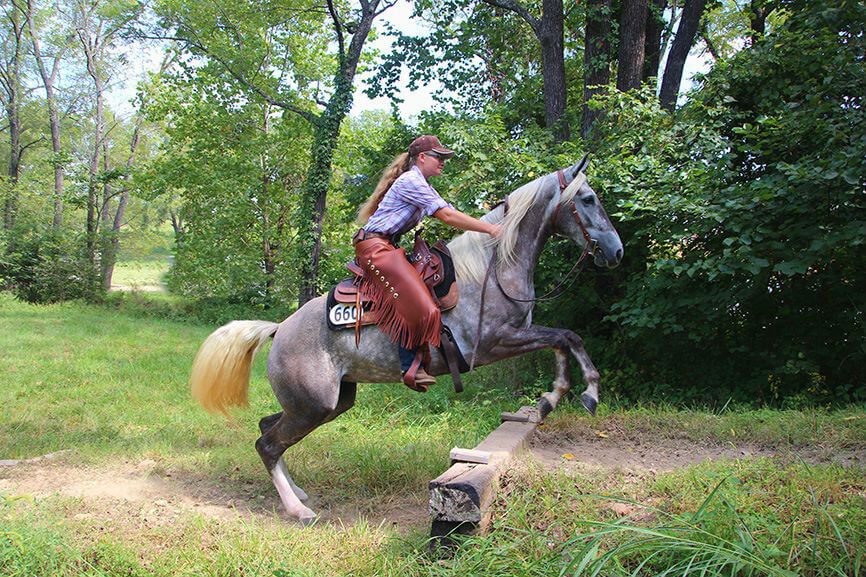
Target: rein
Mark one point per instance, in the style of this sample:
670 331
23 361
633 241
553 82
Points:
589 247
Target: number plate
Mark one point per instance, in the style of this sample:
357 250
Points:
343 314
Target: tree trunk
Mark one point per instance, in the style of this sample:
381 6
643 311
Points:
632 37
107 241
318 180
551 38
10 210
93 169
758 12
655 25
327 130
48 80
549 30
177 225
596 59
10 77
683 41
269 240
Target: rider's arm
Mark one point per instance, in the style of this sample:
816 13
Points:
457 219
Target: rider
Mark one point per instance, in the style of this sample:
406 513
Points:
403 197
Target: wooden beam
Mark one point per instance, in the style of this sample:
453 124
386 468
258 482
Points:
461 497
459 455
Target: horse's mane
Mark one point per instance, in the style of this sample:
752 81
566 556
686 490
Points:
472 250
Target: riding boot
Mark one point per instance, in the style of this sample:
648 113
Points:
414 375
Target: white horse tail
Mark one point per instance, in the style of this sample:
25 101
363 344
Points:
220 376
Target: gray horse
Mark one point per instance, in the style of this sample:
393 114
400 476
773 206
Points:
313 370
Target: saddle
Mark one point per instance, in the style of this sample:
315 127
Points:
346 309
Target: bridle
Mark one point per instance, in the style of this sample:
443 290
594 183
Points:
590 246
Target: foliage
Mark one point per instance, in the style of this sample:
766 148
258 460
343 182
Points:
482 56
237 169
748 213
48 267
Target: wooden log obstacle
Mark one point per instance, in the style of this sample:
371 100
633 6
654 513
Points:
461 497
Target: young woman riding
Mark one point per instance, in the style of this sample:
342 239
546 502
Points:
403 197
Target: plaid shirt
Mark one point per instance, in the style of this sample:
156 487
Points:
409 199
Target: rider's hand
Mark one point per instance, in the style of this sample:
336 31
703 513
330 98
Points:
495 230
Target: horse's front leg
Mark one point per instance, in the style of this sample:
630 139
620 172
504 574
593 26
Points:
563 342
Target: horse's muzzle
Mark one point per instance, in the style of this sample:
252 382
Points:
607 257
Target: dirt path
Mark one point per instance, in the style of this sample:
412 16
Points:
147 496
616 450
144 495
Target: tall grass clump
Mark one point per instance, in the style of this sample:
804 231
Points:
717 539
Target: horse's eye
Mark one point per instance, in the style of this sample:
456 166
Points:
588 200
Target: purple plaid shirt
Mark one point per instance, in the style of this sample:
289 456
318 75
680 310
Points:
409 199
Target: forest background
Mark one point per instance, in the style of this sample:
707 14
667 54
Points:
740 201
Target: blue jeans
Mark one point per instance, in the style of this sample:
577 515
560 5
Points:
406 358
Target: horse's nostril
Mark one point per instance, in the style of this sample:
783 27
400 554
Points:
618 255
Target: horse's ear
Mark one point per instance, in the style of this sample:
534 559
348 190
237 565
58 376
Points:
579 167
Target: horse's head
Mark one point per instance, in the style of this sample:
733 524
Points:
581 217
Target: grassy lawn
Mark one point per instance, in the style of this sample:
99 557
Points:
140 273
111 388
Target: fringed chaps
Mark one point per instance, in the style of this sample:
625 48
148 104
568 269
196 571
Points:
407 313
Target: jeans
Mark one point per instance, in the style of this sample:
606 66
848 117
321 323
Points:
406 358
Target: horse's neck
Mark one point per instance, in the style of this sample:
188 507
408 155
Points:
534 231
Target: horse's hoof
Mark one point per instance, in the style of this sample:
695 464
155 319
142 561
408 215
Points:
544 408
308 521
589 403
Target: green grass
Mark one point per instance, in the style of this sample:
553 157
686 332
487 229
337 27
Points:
107 384
830 429
112 388
140 273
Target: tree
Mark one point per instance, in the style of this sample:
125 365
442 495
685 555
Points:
11 95
98 25
655 26
49 82
217 33
596 63
632 37
683 41
113 223
236 167
549 30
750 208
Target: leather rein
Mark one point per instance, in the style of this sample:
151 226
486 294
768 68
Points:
589 247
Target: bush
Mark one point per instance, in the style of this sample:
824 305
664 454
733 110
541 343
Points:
47 268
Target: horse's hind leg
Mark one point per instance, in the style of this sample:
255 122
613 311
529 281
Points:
287 431
265 424
280 431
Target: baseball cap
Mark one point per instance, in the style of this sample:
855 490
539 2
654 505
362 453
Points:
428 143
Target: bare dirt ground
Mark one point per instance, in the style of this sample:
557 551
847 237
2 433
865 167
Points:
145 495
142 494
637 453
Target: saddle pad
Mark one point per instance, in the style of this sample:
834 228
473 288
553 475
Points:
344 315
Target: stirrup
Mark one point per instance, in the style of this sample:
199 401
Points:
416 378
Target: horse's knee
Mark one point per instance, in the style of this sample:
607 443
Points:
287 431
267 422
574 340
